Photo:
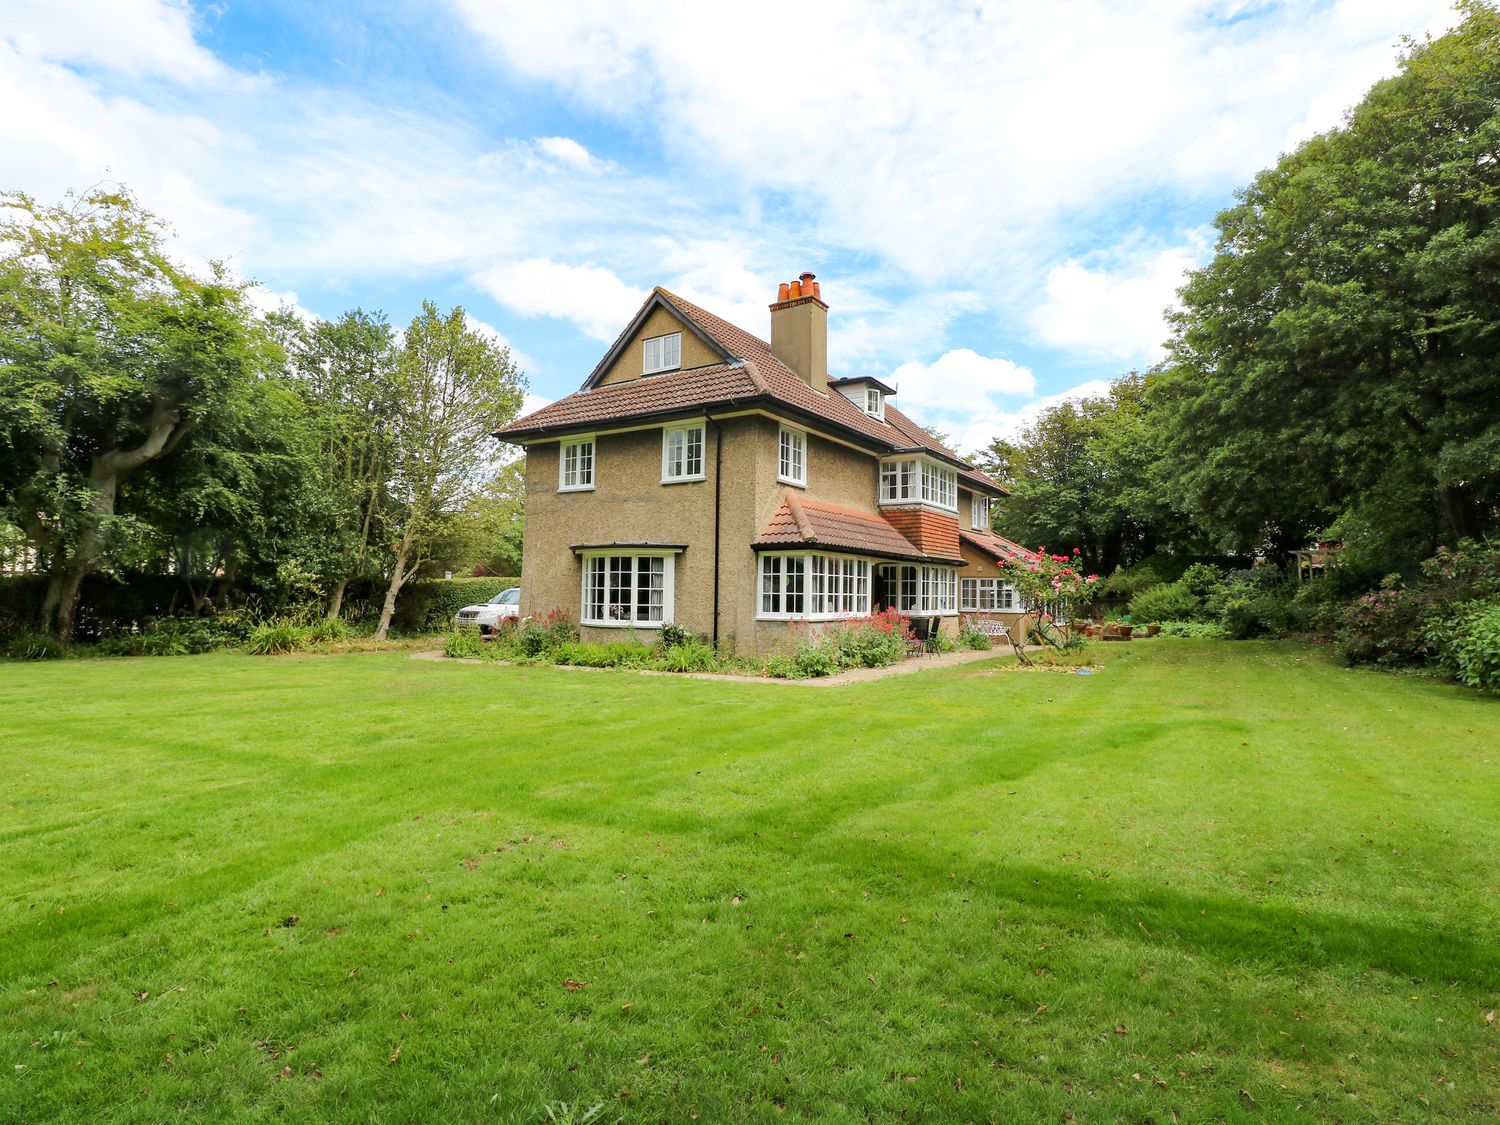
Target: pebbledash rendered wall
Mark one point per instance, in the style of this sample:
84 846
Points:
629 504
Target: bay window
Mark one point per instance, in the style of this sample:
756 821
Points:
813 587
919 481
624 590
921 589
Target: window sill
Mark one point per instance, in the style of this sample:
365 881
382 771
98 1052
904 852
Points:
814 617
790 481
660 371
684 480
928 504
576 488
623 624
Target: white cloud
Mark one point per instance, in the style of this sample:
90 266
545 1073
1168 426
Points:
567 151
961 375
972 431
523 362
1114 314
133 37
592 297
964 143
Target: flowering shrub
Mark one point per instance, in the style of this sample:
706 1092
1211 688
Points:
970 636
1385 627
1047 580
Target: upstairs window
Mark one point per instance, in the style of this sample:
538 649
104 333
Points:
919 481
981 512
939 485
662 353
791 465
874 402
576 465
682 454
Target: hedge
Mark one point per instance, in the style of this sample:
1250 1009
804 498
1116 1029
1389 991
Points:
429 606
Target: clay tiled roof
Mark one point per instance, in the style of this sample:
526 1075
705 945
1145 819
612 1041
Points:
996 546
755 375
811 523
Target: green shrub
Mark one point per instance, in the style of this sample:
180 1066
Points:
620 654
1260 609
327 630
1192 629
276 637
673 635
969 636
1170 602
35 646
691 656
1476 645
429 606
1203 580
465 645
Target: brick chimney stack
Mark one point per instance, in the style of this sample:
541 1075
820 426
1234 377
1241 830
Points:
799 330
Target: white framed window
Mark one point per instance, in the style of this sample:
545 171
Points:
921 589
874 402
980 512
988 595
940 485
575 465
918 480
791 464
813 587
631 590
681 453
661 353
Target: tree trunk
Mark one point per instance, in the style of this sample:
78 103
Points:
336 602
388 610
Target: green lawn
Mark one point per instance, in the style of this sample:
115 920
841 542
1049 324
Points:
1213 881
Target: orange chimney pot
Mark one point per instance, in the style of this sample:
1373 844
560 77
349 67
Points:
783 292
796 288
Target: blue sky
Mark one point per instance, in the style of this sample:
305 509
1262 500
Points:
999 199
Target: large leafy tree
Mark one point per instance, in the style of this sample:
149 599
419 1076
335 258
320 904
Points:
1338 361
454 386
111 356
346 371
1087 474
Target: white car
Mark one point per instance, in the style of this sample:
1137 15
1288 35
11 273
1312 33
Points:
487 616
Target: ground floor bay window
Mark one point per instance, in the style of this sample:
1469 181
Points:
628 589
813 587
920 589
988 595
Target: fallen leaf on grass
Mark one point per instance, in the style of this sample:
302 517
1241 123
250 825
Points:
396 1054
574 985
380 892
1489 1017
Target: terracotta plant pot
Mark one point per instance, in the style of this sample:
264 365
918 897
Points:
1152 630
1124 630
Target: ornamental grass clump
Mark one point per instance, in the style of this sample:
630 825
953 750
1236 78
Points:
277 637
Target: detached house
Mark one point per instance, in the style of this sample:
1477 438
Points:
705 477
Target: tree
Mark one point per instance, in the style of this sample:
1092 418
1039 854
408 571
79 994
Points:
453 388
110 357
1335 364
1086 474
346 371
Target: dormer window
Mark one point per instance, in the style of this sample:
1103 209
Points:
874 402
662 353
